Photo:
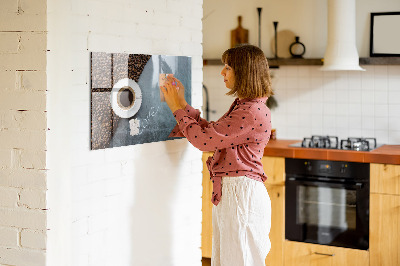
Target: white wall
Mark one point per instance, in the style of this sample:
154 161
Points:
306 19
134 205
311 102
23 133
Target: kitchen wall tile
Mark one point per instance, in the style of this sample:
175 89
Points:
315 72
394 83
367 133
304 72
380 84
393 71
329 109
317 95
381 136
342 133
367 82
354 122
342 96
394 123
394 110
355 109
367 96
291 71
328 74
367 110
355 132
367 122
317 121
342 80
355 96
329 93
365 99
342 109
354 80
292 82
317 108
394 97
381 123
342 122
316 82
394 137
381 110
304 82
329 122
380 71
381 97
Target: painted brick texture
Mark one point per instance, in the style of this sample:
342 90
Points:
23 132
134 205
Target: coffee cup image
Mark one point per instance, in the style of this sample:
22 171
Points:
126 98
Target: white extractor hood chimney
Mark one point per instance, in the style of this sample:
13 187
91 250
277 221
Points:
341 51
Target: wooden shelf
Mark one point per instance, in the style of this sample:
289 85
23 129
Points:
380 61
274 63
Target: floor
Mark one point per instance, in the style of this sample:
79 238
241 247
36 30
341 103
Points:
206 261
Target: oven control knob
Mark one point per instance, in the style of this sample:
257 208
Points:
343 168
308 166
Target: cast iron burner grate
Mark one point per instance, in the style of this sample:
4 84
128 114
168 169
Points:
327 142
358 144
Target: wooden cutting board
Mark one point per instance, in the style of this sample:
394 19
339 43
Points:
239 35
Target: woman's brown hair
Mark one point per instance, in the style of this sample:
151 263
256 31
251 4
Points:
250 66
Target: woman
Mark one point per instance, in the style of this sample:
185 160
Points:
242 208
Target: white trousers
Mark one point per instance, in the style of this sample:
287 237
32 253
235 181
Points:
241 223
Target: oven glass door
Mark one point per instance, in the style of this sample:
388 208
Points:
326 213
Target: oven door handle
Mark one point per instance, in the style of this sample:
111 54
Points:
357 185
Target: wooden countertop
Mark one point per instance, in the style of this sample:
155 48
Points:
389 154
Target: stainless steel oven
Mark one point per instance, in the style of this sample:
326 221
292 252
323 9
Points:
327 202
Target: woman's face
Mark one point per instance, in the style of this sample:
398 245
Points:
229 76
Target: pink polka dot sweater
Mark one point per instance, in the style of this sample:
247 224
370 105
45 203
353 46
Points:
238 139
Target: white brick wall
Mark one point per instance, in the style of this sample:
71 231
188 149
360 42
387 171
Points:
22 132
134 205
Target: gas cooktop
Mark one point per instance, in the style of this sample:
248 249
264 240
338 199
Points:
332 142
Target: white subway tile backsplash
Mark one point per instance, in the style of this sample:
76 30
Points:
394 97
381 97
394 123
347 103
367 110
394 137
394 110
381 110
367 96
380 71
381 84
394 83
381 136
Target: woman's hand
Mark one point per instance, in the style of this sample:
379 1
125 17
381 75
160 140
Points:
173 95
181 92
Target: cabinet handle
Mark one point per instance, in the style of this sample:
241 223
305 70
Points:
324 254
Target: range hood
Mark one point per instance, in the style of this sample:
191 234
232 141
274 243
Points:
341 51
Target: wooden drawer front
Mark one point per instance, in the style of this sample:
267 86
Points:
385 178
274 168
384 237
304 254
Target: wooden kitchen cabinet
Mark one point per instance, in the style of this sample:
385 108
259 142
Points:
305 254
385 178
274 168
277 233
385 215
